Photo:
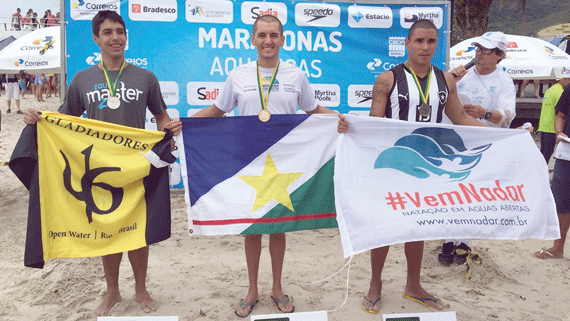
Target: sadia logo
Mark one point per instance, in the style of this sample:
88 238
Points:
432 153
136 8
251 10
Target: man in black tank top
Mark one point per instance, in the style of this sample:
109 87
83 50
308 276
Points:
406 93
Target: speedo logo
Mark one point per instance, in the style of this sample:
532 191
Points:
318 13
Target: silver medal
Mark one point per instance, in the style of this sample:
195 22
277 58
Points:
113 102
424 110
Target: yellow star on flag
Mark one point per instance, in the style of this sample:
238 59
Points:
271 185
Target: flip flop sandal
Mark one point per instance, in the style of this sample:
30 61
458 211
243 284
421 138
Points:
284 303
423 301
372 304
245 305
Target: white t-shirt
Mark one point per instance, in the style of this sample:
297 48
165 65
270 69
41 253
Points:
494 91
291 89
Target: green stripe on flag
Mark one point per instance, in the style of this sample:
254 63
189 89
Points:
312 199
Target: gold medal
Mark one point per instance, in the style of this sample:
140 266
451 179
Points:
113 102
264 115
424 110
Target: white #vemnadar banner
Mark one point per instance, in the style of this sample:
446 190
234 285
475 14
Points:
398 181
192 45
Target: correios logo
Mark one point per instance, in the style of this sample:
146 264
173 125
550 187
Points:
93 60
461 52
78 4
19 62
565 71
136 8
431 153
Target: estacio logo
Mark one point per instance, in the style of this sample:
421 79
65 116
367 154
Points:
369 17
357 16
436 153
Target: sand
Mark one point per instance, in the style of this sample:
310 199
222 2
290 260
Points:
203 278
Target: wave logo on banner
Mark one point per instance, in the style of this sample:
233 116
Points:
431 151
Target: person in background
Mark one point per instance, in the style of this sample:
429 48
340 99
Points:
547 116
491 97
17 20
12 92
22 82
40 82
560 179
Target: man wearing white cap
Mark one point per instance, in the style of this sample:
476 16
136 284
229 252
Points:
487 92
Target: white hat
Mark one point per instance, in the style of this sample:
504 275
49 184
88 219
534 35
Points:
492 40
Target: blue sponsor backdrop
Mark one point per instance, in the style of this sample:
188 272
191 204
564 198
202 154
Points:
192 45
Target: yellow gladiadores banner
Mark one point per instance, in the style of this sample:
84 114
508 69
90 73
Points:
92 194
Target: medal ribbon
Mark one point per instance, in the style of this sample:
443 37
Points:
112 89
264 100
424 94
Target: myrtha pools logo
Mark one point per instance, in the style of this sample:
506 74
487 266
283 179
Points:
427 152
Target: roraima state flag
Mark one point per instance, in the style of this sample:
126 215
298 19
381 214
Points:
243 176
92 188
398 181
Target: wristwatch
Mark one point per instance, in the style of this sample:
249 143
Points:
487 114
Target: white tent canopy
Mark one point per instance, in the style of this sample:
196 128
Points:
527 58
35 52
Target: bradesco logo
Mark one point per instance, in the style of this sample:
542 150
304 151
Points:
360 95
317 15
202 11
251 10
409 15
203 93
87 9
370 17
153 10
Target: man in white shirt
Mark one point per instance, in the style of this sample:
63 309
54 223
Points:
283 88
